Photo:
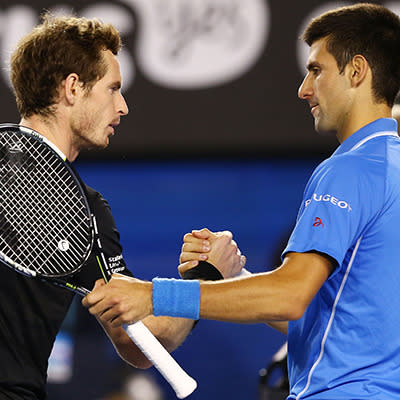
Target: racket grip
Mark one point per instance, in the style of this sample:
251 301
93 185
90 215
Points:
181 382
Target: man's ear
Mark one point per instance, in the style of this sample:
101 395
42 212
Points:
72 87
358 70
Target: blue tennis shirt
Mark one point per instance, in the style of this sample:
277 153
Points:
347 344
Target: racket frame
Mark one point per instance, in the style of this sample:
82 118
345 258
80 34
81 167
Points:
61 156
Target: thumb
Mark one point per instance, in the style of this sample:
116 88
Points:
202 234
99 283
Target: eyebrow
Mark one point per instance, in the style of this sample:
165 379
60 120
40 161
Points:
117 84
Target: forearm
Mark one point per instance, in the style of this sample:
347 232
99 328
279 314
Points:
280 326
276 296
124 346
171 332
280 295
259 298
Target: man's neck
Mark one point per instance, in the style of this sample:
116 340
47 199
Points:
53 131
362 118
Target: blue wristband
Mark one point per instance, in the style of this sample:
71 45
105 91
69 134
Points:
176 298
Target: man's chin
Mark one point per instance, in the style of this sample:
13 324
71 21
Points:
97 146
102 145
324 131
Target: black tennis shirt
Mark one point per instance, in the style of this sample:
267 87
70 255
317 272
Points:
32 311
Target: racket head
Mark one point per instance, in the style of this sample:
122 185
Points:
45 222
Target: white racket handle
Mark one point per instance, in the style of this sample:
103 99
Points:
181 382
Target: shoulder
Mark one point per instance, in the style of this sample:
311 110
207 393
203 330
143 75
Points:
351 167
349 178
95 199
91 193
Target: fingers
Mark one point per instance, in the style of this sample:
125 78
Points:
225 241
218 248
226 256
207 234
182 268
98 283
194 249
95 301
198 238
202 233
228 234
95 295
196 246
122 300
189 256
115 315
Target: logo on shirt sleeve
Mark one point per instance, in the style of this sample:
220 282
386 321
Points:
318 223
328 198
114 264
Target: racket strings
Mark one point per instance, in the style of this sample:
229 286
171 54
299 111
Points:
45 213
45 225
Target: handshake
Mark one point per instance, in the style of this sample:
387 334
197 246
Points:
217 248
124 300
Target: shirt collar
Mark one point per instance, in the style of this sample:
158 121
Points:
379 125
45 140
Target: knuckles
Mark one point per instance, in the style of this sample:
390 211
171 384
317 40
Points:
187 237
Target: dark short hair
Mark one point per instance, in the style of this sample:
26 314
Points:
54 49
366 29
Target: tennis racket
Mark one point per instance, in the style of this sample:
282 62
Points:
47 230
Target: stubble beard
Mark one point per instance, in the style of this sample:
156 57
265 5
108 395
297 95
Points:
84 136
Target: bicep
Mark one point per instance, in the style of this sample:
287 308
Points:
307 272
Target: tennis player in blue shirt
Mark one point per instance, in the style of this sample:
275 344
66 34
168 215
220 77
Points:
337 292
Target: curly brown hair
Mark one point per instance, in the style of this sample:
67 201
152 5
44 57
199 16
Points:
367 29
54 49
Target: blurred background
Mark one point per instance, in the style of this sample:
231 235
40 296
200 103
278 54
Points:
215 137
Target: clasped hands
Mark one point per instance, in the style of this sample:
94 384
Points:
125 300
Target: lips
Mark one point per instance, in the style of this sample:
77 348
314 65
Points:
113 125
313 108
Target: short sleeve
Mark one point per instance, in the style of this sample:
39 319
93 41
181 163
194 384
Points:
342 197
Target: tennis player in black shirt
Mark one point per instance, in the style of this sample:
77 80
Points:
67 84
